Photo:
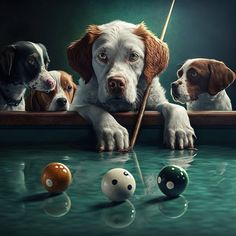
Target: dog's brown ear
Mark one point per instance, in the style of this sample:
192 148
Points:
220 77
31 102
6 59
156 53
79 53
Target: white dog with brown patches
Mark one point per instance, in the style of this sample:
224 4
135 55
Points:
201 85
115 61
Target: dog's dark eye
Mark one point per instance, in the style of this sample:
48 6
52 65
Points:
31 60
192 73
69 87
133 57
103 57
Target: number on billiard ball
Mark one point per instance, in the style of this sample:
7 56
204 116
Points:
118 184
172 180
56 177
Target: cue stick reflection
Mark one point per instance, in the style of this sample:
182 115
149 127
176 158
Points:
138 169
148 89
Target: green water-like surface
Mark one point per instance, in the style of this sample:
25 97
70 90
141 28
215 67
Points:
207 207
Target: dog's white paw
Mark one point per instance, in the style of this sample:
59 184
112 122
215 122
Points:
111 135
178 133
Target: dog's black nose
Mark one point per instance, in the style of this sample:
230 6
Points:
116 85
61 102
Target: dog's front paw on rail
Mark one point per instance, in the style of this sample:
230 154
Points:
111 136
178 132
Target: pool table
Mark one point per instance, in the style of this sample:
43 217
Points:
29 141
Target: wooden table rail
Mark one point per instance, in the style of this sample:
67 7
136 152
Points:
127 119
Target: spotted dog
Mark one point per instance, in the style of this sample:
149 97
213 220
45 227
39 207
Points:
22 65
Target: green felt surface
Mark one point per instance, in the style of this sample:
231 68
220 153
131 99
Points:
207 207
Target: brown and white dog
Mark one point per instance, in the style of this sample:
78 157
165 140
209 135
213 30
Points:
201 85
115 61
58 99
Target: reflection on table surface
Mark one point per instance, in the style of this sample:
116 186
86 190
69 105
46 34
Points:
209 198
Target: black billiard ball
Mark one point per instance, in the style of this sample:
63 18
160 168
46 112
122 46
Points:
172 180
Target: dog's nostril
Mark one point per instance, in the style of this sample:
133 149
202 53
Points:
61 102
121 85
112 84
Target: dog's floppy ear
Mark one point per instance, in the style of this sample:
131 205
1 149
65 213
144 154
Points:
79 53
156 53
6 59
220 77
32 103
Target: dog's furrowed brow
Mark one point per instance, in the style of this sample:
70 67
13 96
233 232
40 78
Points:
133 48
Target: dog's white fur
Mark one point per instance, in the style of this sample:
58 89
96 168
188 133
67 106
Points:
219 102
92 100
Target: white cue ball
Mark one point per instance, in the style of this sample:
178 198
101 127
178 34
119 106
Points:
118 184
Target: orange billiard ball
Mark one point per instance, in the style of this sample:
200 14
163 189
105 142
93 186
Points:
56 177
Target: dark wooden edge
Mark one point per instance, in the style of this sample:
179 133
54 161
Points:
151 118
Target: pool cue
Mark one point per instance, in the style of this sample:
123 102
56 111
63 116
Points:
148 89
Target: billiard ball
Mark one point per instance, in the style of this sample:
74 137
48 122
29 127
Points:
56 177
118 184
172 180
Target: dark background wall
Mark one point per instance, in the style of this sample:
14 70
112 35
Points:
202 28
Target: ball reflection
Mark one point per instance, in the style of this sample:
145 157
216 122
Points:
174 208
119 215
58 205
